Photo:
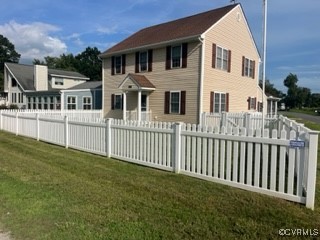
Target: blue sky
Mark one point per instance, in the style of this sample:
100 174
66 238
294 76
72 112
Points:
40 28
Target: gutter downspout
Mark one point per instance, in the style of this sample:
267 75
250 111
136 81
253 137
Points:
202 40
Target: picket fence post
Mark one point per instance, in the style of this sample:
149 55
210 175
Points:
17 123
177 146
38 126
108 137
223 119
1 120
312 170
66 131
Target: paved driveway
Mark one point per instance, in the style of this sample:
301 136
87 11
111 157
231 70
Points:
311 118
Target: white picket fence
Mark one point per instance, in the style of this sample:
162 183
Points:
245 158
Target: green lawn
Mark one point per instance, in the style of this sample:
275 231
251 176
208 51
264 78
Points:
48 192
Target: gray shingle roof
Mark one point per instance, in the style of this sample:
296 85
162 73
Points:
24 75
88 85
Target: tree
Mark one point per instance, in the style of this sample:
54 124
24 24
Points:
89 64
7 54
291 83
269 88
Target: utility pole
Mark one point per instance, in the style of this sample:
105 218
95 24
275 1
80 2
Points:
264 43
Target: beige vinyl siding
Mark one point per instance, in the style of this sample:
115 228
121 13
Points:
232 34
180 79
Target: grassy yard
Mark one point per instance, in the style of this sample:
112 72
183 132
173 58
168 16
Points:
48 192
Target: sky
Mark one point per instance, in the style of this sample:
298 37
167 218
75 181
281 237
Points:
40 28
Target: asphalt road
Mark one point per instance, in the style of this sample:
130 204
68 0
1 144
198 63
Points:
311 118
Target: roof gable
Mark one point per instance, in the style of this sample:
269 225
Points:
183 28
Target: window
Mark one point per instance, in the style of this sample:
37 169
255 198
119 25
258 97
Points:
86 103
39 103
34 103
29 102
45 102
118 64
252 102
221 58
14 82
219 102
144 61
51 103
175 102
143 58
58 103
116 101
177 56
248 67
71 103
58 81
14 98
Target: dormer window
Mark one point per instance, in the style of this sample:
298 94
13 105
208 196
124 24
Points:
58 81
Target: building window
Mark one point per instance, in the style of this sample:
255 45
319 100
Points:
34 103
29 102
87 103
58 103
143 59
221 58
252 103
14 82
58 81
39 103
14 98
176 57
175 102
71 103
51 103
117 64
116 101
248 67
219 102
45 102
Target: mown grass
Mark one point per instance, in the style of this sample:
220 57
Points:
48 192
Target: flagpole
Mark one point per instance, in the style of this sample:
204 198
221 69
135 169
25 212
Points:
265 6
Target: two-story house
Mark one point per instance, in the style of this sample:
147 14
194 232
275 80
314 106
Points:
177 70
37 87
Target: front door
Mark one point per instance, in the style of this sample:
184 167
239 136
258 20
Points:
143 102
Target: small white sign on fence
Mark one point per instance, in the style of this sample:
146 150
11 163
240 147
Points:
297 144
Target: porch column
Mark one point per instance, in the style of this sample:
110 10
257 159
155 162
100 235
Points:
276 108
124 110
271 107
139 106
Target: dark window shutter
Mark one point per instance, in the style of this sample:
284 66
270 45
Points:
150 59
243 62
227 102
123 64
112 65
229 61
168 58
167 102
214 55
249 99
211 101
112 101
184 55
183 103
253 69
137 62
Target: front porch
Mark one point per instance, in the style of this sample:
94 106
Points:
136 91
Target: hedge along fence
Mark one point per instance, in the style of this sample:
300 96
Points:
280 162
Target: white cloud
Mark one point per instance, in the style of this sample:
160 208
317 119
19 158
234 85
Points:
33 40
